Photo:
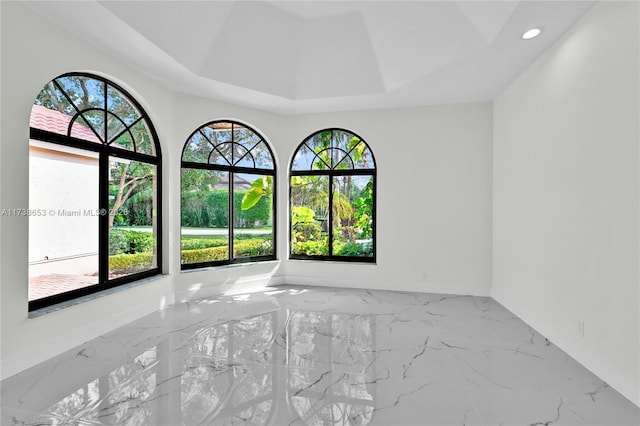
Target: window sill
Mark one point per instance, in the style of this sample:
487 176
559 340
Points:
230 265
83 299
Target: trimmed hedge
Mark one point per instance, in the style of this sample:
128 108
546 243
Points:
203 243
130 263
242 249
210 254
190 243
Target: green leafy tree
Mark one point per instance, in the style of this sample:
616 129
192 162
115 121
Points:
199 180
127 179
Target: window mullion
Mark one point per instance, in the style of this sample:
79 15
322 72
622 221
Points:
330 224
103 217
231 215
106 117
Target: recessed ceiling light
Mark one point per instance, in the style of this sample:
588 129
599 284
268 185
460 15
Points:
532 33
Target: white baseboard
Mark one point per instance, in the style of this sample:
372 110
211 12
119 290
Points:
617 380
418 287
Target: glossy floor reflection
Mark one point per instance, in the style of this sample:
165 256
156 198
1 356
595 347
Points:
312 356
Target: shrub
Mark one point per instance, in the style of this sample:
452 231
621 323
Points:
261 237
130 263
311 247
118 241
350 248
140 241
202 243
123 241
211 254
255 247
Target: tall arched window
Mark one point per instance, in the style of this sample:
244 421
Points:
228 196
94 190
332 198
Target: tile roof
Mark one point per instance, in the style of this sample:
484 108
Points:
54 121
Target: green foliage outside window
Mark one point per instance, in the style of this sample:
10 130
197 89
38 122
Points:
209 209
332 196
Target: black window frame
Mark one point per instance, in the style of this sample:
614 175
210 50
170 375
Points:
333 173
232 170
105 151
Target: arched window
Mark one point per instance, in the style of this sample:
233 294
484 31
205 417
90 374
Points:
228 196
332 198
94 190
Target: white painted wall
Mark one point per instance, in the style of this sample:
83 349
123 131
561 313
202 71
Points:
434 192
566 182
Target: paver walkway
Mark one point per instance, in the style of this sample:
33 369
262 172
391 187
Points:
50 284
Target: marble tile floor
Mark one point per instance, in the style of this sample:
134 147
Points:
317 356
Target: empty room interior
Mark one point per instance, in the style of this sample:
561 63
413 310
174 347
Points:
320 213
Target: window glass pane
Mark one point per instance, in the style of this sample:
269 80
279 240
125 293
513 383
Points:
303 159
222 154
114 127
345 164
118 105
63 229
142 136
132 217
352 205
335 156
204 216
81 129
51 98
95 119
320 144
52 111
342 141
197 149
362 157
85 92
253 215
244 136
242 157
309 215
124 141
219 134
88 96
262 156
